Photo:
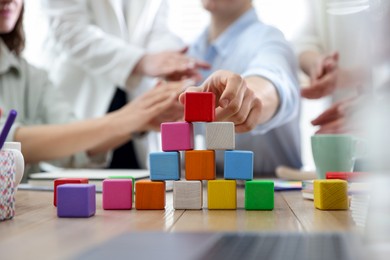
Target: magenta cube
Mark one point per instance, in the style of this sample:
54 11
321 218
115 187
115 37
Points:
76 200
177 136
117 194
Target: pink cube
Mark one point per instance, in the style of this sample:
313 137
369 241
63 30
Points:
117 194
177 136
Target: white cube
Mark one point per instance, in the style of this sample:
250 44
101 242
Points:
187 195
220 136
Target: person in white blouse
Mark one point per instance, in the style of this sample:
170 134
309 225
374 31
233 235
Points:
333 54
102 48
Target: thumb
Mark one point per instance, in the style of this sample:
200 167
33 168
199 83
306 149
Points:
183 50
191 89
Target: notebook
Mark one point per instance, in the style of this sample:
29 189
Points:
215 246
45 180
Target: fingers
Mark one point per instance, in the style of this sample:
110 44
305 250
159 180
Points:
202 64
315 91
190 89
321 87
225 85
154 96
159 106
328 115
251 121
183 50
238 109
335 127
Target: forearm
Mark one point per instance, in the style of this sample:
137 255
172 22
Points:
110 144
265 91
49 142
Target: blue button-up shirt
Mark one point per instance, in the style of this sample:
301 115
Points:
250 48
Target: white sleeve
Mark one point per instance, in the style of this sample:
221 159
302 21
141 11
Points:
90 47
309 37
275 61
161 37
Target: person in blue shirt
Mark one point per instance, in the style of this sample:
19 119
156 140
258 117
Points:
263 97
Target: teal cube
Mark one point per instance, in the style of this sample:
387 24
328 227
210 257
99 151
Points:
238 165
259 195
165 166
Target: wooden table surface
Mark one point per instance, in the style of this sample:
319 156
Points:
37 233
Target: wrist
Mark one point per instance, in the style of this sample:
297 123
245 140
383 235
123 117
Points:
139 67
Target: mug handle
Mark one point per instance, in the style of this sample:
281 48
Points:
360 147
19 167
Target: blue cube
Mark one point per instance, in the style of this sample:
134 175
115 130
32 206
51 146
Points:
238 165
164 166
76 200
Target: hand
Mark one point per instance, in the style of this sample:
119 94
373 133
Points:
175 111
335 119
235 101
137 114
323 77
174 65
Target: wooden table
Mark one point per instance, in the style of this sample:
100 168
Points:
37 233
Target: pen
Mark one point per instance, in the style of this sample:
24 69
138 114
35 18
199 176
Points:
7 126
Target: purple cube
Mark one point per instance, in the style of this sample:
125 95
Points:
76 200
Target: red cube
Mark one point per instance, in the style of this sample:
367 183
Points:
199 107
66 181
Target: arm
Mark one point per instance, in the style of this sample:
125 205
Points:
265 96
49 142
246 102
105 54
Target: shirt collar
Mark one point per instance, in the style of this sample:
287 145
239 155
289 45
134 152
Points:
8 60
225 40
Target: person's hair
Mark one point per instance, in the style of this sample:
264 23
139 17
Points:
15 40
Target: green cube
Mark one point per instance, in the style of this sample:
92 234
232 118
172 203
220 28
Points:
259 195
125 177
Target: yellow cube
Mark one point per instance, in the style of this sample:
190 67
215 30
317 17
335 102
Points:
331 194
222 194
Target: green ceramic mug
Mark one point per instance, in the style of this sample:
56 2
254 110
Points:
334 153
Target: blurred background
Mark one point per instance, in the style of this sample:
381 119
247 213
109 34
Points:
343 25
358 29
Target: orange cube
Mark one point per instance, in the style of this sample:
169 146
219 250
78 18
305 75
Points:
149 194
200 165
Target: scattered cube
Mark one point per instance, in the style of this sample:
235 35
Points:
76 200
117 194
238 165
222 194
200 165
164 166
259 195
187 195
331 194
125 177
199 107
149 194
177 136
65 181
220 136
